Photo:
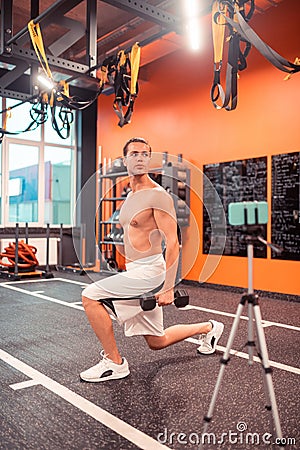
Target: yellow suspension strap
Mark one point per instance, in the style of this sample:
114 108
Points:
122 94
125 83
218 34
103 77
38 45
135 56
63 87
222 10
7 116
297 63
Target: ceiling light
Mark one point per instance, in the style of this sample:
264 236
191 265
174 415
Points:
191 8
46 82
193 32
192 27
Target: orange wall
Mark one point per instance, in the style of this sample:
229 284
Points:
174 112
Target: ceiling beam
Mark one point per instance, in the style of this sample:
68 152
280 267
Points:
59 8
91 42
76 31
12 75
148 12
64 65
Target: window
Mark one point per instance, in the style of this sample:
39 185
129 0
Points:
23 165
38 171
59 179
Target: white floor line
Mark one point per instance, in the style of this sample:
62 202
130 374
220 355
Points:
43 297
120 427
39 280
81 283
234 352
24 384
222 313
243 355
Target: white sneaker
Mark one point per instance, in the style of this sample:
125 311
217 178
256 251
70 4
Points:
210 340
106 370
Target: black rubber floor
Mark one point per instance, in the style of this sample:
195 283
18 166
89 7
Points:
46 341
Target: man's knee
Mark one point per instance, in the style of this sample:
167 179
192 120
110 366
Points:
88 302
155 342
85 301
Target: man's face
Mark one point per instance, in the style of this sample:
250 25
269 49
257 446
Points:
138 158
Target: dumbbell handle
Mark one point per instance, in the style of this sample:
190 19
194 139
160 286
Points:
181 299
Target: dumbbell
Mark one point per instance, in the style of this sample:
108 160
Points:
181 299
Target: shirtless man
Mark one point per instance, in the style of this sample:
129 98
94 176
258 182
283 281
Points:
147 217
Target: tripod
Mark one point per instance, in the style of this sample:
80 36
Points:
254 316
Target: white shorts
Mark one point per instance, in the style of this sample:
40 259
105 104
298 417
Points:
141 276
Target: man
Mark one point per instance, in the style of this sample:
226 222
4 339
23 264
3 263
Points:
147 217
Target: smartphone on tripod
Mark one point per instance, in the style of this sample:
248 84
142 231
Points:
248 213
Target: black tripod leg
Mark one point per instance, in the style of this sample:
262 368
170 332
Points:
267 372
224 360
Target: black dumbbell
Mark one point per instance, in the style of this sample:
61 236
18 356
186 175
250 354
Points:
181 299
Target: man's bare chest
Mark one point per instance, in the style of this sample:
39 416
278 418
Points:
135 215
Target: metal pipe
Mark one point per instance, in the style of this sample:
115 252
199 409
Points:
47 247
16 272
26 233
60 256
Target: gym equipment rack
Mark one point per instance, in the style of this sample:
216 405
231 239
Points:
174 177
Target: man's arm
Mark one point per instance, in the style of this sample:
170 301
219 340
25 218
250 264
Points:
167 224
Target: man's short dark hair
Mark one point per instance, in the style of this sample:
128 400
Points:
135 139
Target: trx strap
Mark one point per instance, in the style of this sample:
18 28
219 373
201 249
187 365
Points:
233 13
236 57
135 56
271 55
38 45
26 256
125 83
38 114
4 125
66 117
65 86
218 34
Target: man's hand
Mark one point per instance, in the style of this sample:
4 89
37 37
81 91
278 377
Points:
165 297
